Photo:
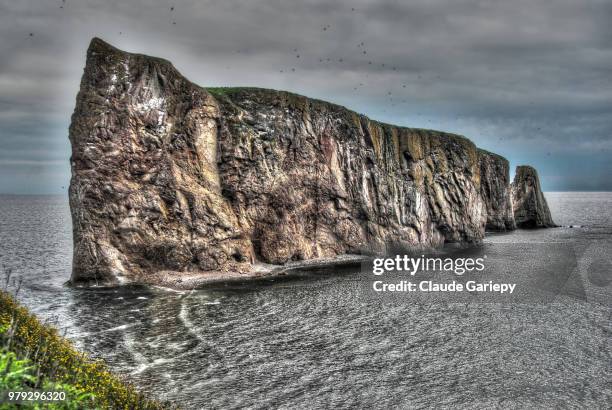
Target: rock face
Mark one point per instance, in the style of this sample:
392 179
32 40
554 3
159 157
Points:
311 179
171 177
495 190
530 207
145 193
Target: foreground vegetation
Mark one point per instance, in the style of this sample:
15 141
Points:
34 356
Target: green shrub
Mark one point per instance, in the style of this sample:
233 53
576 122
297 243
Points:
34 355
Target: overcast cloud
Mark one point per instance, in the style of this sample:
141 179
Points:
530 80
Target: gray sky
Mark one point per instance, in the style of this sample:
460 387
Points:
528 79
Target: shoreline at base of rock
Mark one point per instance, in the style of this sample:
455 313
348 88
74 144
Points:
261 272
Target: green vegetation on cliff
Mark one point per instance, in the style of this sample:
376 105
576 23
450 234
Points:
34 356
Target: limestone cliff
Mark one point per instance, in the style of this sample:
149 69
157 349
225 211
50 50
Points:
311 179
170 177
145 193
495 191
530 207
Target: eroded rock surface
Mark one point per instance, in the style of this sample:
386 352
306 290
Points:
145 193
496 192
530 207
311 179
170 178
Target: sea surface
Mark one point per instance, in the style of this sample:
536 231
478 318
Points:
321 342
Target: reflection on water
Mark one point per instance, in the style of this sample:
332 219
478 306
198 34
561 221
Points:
318 342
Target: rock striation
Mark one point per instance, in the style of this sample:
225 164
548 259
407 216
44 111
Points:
496 192
529 205
145 192
172 178
309 179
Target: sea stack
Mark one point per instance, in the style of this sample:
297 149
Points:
495 190
169 177
529 205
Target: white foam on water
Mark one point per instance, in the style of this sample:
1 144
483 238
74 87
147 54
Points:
141 368
130 346
180 292
184 317
122 327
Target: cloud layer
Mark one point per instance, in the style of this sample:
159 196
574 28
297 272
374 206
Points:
529 80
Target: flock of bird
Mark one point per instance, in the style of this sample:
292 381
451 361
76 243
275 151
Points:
324 28
360 56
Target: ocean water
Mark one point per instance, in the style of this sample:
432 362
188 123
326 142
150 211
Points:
320 342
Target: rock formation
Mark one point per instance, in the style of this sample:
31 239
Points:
171 177
145 193
495 190
311 179
529 205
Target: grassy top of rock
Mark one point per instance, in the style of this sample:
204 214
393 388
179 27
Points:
235 94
